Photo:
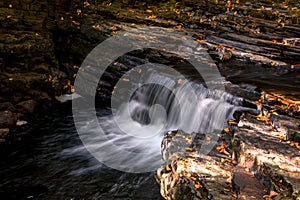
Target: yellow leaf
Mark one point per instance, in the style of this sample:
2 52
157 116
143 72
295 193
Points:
223 160
229 179
152 17
292 66
168 168
188 175
189 149
149 11
198 186
207 167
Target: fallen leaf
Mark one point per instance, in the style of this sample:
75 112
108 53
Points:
273 194
226 130
198 185
168 168
152 17
292 66
232 122
180 81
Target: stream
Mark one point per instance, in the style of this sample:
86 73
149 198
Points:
50 161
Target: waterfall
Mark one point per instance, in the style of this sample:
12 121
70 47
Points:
161 104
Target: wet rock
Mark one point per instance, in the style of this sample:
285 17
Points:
188 174
39 95
254 161
264 152
7 119
248 186
7 106
3 133
26 106
294 135
224 54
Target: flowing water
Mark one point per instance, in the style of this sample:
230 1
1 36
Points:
160 105
51 162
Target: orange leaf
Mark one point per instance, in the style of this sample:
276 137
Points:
226 130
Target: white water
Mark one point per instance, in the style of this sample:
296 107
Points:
138 126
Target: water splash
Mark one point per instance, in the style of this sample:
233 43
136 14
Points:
164 104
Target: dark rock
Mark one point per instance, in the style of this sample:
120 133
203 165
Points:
294 135
26 106
18 97
3 133
39 95
7 106
7 119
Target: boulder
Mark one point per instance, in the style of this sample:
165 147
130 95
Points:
3 133
7 119
7 106
26 106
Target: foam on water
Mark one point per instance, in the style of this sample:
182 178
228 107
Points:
139 125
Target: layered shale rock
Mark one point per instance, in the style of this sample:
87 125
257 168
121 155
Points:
253 160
